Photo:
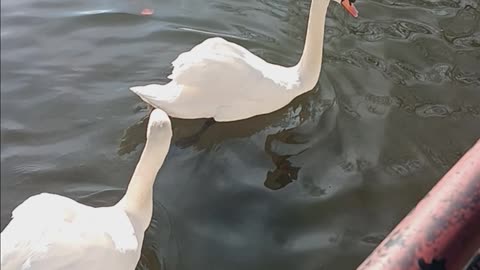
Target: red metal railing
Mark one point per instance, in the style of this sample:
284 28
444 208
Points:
443 231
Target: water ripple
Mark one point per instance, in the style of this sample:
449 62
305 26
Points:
398 29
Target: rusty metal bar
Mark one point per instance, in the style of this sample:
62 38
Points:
443 231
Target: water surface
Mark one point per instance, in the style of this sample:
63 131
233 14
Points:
315 185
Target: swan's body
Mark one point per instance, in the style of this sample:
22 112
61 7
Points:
222 80
50 232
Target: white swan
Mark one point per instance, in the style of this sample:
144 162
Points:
224 81
51 232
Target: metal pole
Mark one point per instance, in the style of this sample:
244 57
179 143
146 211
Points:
443 231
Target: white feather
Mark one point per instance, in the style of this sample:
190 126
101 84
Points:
49 231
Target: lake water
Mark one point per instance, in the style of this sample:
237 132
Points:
315 185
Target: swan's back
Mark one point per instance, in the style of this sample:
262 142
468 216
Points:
49 231
216 65
223 80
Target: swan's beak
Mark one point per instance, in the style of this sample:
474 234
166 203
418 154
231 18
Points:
348 5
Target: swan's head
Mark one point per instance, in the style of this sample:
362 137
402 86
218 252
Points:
348 6
159 126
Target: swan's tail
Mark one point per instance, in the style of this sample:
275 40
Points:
156 94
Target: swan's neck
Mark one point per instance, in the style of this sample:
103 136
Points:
310 63
138 200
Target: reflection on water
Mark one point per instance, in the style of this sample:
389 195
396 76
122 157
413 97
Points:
315 185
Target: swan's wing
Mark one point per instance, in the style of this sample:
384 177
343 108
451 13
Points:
45 204
217 65
53 232
211 70
209 49
222 80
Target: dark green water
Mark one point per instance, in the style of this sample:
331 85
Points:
316 185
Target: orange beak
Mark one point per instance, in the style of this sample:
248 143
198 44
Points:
350 8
